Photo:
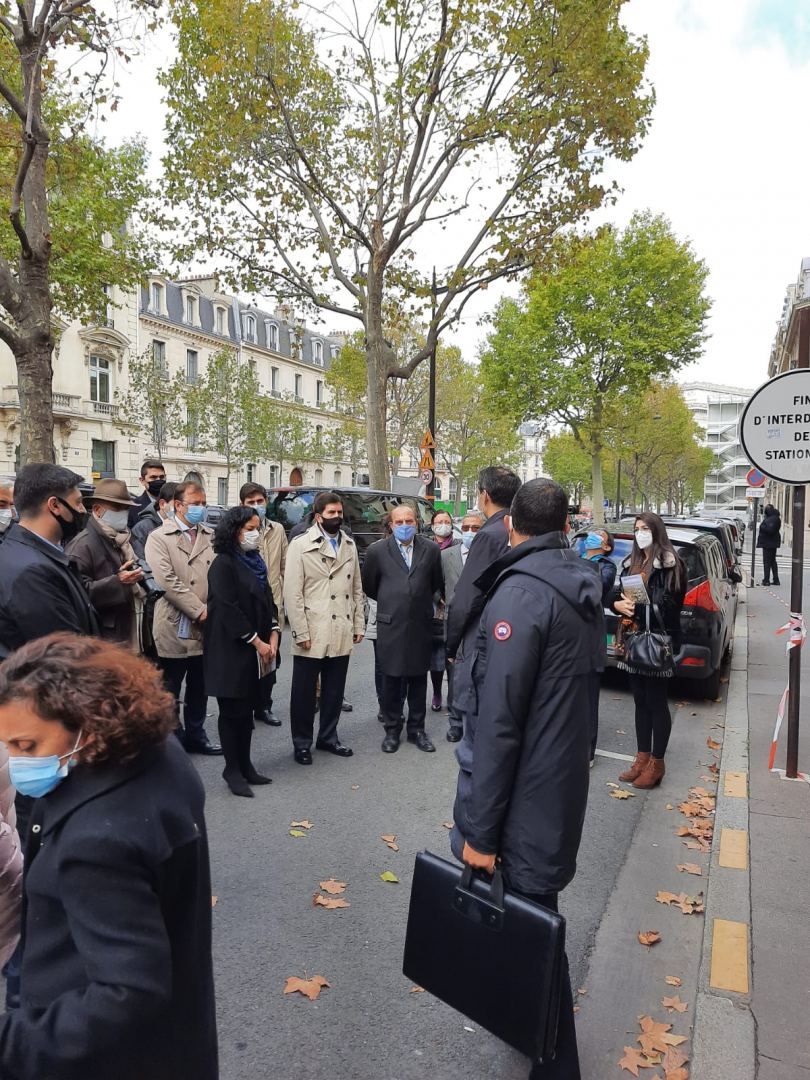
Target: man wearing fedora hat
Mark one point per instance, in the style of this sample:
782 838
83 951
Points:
103 555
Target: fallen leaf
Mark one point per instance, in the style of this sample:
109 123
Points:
310 988
621 794
612 783
388 838
690 868
669 806
697 845
713 744
673 980
582 991
676 1074
673 1059
355 787
674 1003
666 897
386 875
297 832
330 902
649 937
674 1040
417 990
713 767
633 1061
333 887
653 1034
447 824
620 732
214 901
576 1008
301 824
394 847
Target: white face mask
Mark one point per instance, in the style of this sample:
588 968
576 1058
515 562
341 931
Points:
6 517
442 530
250 540
116 519
644 538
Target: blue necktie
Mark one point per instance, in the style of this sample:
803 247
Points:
334 542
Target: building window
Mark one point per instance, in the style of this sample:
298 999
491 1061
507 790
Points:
253 368
318 436
103 458
220 320
251 473
319 477
109 310
192 429
191 310
156 298
191 366
99 379
319 392
273 475
159 358
299 389
222 491
250 328
317 352
272 336
338 478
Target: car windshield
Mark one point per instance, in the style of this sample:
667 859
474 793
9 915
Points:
290 506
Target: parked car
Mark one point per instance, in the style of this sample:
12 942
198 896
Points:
364 510
723 530
709 606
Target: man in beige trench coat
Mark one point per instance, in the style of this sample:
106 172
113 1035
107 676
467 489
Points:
323 595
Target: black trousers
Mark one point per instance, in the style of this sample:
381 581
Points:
770 571
653 719
455 716
265 700
306 669
195 699
593 700
236 729
416 692
378 682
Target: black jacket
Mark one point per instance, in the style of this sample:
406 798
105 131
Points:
666 594
607 573
117 978
523 780
238 608
40 591
404 603
142 502
148 520
769 535
98 560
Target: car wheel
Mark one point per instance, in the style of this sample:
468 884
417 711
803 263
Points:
729 649
710 686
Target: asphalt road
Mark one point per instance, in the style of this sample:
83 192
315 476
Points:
367 1025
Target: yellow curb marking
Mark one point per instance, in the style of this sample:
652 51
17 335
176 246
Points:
736 785
729 956
734 848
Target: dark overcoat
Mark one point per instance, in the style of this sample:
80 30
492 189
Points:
98 561
238 608
405 600
117 979
769 535
40 591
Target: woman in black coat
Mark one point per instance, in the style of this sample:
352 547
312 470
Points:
241 634
117 978
769 538
654 557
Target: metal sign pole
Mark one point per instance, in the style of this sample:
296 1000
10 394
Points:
795 658
754 544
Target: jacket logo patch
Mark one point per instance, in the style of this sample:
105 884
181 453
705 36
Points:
502 631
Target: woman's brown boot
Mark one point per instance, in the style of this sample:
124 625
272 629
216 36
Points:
652 775
636 769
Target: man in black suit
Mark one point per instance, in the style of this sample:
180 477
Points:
153 477
404 575
497 487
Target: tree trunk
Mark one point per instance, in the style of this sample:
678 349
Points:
596 486
34 383
377 360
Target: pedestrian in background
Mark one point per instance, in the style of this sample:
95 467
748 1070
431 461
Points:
404 575
323 595
117 972
153 517
654 558
152 479
454 560
180 554
241 636
105 558
442 525
6 504
523 761
769 538
273 550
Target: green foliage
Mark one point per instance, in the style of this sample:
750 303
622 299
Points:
152 401
567 462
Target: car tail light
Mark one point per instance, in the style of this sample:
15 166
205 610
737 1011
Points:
693 661
701 596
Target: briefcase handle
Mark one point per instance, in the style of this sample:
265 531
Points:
488 910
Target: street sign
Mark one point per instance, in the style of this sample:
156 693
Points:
755 478
775 427
428 442
426 476
427 461
754 493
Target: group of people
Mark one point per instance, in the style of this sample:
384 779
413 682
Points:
116 961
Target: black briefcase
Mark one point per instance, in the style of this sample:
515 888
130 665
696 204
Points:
493 955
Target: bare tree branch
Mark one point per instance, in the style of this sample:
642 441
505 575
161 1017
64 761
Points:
16 196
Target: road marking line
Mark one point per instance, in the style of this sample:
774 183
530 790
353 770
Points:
734 849
729 956
735 785
616 757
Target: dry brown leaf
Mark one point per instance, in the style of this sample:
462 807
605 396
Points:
713 767
690 868
648 937
697 845
330 902
676 1074
633 1061
622 794
582 991
713 744
673 1059
674 1004
305 824
652 1036
394 847
388 838
310 988
674 1040
417 990
673 980
447 824
214 901
335 888
669 806
576 1008
612 783
620 732
355 787
666 897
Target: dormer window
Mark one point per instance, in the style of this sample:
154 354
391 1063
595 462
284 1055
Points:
271 329
156 295
191 310
317 352
334 350
220 321
250 328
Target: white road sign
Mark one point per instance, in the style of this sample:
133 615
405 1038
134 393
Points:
775 428
754 493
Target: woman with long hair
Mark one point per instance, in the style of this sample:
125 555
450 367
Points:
117 978
241 636
654 558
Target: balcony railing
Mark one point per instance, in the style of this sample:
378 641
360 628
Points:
100 408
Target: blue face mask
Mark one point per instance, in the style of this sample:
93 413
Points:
194 515
36 776
404 533
260 510
593 541
467 538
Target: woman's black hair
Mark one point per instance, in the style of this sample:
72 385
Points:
436 513
226 534
641 562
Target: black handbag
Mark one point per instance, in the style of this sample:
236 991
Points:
490 953
650 652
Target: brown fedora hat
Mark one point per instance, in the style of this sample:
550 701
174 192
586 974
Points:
111 491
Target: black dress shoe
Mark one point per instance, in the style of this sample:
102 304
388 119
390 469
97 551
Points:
237 783
390 744
267 716
303 757
254 777
338 749
207 749
346 706
453 735
422 742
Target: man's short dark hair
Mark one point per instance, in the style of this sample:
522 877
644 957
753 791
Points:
324 499
540 506
167 492
188 487
35 484
500 483
151 463
248 489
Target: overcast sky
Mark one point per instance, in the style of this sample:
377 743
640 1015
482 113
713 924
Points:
727 159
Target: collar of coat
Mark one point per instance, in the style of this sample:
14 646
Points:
314 538
171 528
18 532
552 541
669 561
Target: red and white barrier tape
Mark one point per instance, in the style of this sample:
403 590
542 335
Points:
797 631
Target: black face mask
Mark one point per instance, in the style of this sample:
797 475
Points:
154 486
75 525
331 525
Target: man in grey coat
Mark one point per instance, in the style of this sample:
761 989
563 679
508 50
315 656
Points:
454 559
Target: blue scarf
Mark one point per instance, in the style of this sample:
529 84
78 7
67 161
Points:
255 563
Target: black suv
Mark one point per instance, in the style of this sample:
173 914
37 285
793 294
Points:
364 509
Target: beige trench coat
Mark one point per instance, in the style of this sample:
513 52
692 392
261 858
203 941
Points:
273 549
323 594
183 572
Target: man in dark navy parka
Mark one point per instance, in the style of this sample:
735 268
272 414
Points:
523 780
